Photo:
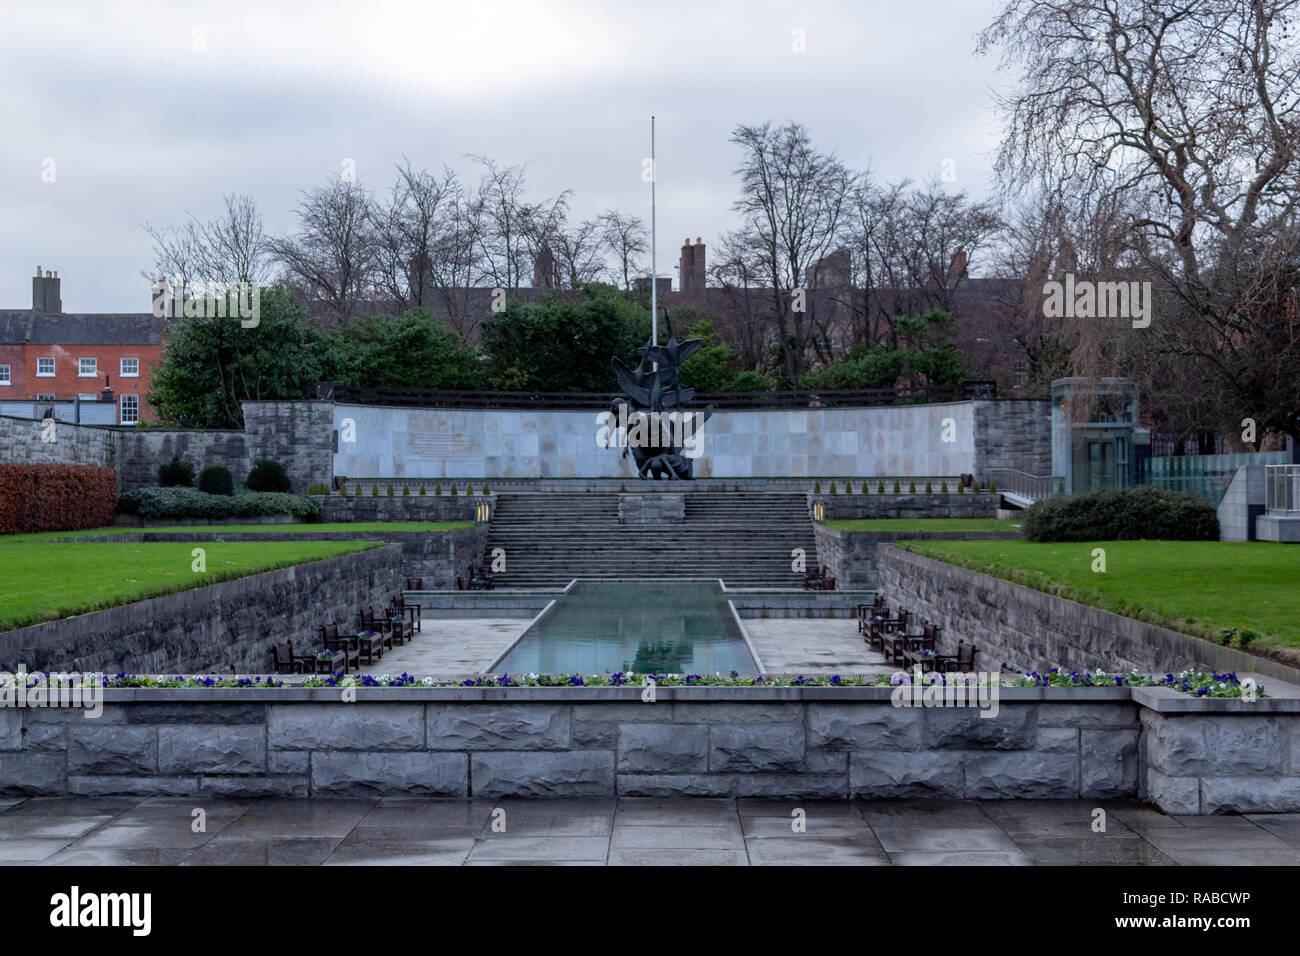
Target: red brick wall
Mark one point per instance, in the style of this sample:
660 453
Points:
12 355
67 384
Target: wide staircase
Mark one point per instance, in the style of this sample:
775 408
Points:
745 538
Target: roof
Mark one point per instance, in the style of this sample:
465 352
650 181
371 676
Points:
81 328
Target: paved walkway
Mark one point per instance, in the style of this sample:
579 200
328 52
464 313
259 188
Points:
596 831
450 647
813 645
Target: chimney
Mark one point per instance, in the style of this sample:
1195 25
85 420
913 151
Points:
957 267
691 266
544 268
45 292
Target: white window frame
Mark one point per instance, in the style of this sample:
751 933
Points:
45 397
122 420
6 375
91 374
121 368
45 358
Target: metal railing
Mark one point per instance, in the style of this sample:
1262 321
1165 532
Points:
1282 489
804 398
1033 487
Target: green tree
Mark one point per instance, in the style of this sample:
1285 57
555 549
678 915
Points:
212 365
413 351
564 344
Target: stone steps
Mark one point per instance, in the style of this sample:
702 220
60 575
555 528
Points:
745 538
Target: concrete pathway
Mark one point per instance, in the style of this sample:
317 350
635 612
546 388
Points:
450 647
813 645
628 831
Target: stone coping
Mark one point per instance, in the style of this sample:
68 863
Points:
146 536
1160 699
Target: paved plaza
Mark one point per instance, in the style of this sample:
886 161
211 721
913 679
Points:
628 830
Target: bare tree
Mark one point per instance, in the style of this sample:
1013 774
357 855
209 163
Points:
627 240
407 229
1187 114
455 264
230 248
502 243
792 203
332 256
579 253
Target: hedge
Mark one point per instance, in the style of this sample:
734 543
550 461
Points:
176 473
190 503
56 497
217 480
1131 514
268 475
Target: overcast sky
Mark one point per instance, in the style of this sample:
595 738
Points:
151 110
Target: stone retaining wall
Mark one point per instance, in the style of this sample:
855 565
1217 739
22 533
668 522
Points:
412 507
854 556
919 505
213 629
1021 629
810 743
433 556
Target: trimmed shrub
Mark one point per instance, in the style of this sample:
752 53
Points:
993 487
976 488
961 489
928 489
390 490
943 487
267 475
357 493
56 497
1127 514
176 474
485 489
157 503
437 489
453 489
896 488
216 480
865 489
911 487
406 491
880 488
817 487
374 489
469 489
316 488
832 487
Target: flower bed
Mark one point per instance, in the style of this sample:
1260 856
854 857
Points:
1194 683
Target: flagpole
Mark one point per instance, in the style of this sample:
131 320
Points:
654 276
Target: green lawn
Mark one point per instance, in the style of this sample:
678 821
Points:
922 524
1197 587
42 580
359 526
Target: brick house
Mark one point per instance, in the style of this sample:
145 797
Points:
47 354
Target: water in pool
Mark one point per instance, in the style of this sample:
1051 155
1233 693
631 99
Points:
650 627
